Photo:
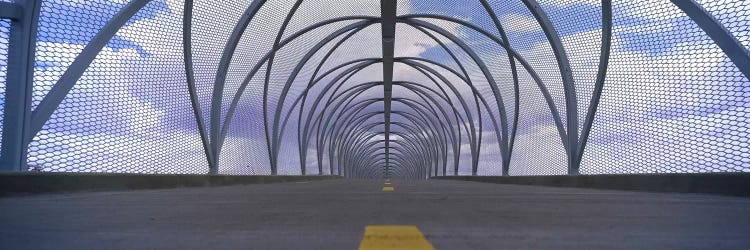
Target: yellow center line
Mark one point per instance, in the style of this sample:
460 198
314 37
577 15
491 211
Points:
388 189
394 237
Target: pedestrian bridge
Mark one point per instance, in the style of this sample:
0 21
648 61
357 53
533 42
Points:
138 124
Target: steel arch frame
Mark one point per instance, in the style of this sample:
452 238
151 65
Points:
22 123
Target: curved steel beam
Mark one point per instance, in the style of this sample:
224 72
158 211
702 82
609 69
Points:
434 113
543 89
372 84
18 83
598 84
318 146
291 78
563 63
241 89
351 132
503 137
358 134
328 104
401 147
357 159
516 86
275 126
443 137
362 117
187 23
221 71
458 62
219 86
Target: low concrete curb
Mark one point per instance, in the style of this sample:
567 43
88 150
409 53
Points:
736 184
35 183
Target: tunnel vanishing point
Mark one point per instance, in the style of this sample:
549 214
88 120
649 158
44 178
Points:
595 124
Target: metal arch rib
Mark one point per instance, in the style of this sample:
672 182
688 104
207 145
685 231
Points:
434 129
269 66
456 139
437 145
359 149
292 76
350 133
318 100
301 148
190 78
475 140
241 89
516 86
221 72
534 75
337 128
354 90
503 138
453 135
563 63
328 103
598 84
279 108
307 124
362 117
474 90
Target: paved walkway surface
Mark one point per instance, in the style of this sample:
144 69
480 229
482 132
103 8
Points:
334 215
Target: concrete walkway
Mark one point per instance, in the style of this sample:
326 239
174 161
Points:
334 214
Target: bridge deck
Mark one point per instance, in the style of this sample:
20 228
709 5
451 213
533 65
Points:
333 215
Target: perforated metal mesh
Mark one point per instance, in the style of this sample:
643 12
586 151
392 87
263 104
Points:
4 42
130 110
672 102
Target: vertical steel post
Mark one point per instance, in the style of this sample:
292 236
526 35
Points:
388 17
17 117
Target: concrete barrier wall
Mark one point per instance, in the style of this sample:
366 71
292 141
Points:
737 184
32 183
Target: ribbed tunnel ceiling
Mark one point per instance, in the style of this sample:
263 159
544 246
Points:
478 87
437 103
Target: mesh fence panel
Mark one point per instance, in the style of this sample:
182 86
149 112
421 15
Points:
4 36
130 111
673 102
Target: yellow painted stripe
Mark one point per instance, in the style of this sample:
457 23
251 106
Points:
388 189
394 237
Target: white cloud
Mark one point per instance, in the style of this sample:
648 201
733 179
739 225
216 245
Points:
144 117
520 23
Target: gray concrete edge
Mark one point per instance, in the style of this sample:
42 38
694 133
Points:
735 184
37 183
